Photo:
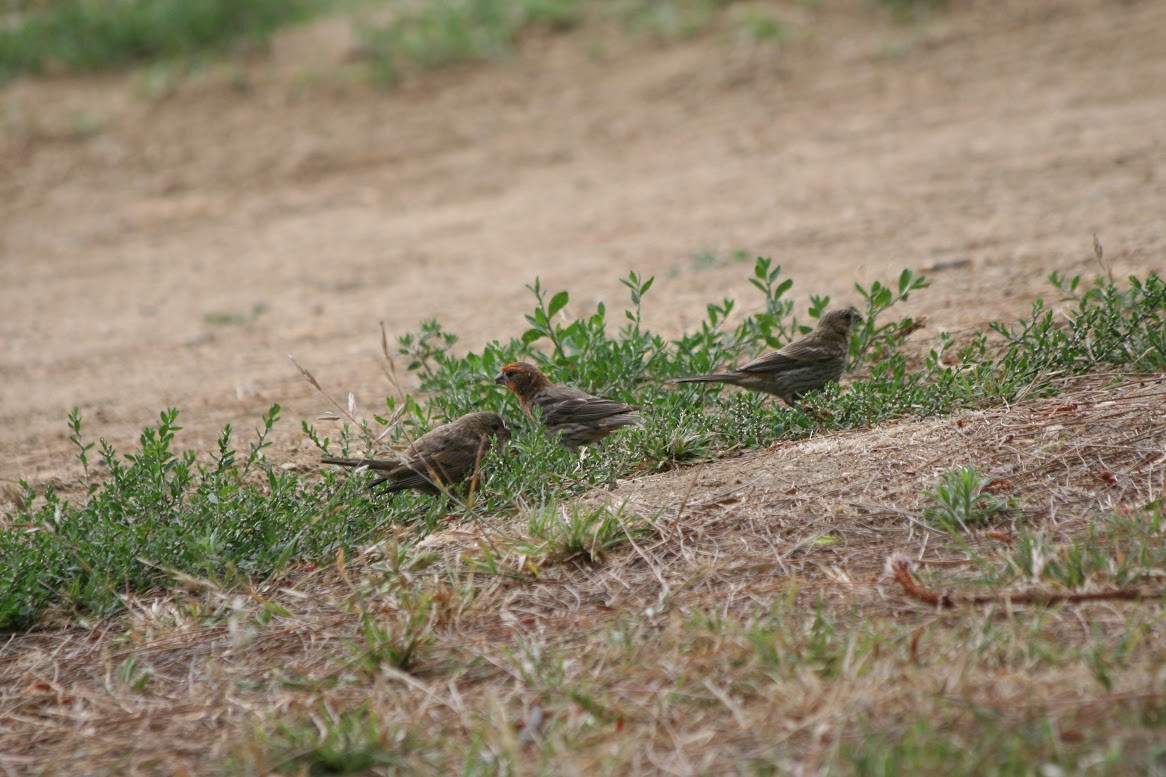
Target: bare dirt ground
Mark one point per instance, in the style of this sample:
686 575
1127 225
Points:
136 229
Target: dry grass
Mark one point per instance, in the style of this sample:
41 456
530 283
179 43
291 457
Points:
745 628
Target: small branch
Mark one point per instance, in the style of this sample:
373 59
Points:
899 567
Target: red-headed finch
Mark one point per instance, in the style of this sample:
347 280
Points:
440 458
576 416
804 365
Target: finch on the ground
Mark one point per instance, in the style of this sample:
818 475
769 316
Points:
443 457
576 416
804 365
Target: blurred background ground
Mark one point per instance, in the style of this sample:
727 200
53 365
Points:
168 241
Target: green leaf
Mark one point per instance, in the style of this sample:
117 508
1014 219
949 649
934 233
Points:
905 280
558 302
761 268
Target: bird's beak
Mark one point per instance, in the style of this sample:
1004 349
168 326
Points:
499 378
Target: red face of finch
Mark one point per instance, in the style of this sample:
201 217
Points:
440 458
576 416
804 365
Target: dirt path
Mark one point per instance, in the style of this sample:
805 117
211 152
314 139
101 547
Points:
173 251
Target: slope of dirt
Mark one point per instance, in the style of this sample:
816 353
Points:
172 250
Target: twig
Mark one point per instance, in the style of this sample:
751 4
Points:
899 567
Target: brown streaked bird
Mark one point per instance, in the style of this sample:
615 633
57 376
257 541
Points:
442 457
576 416
804 365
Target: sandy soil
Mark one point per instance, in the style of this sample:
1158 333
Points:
173 249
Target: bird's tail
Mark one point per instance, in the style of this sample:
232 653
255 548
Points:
384 483
370 463
715 377
346 462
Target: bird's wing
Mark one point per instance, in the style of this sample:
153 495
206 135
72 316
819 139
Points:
447 453
795 354
563 404
770 362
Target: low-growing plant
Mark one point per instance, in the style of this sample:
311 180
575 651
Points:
132 674
959 501
440 33
443 33
760 27
85 35
398 642
667 19
1116 550
349 742
576 531
976 746
159 514
875 339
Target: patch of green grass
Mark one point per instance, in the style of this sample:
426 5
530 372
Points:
913 10
132 674
667 19
89 35
960 501
579 532
985 742
1115 550
401 644
156 514
758 26
86 35
782 642
440 33
350 742
223 318
159 515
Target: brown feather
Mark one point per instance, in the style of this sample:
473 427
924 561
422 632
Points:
442 457
578 418
804 365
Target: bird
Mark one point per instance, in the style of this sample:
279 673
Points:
444 456
804 365
576 416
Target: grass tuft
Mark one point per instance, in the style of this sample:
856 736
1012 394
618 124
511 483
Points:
441 33
960 501
350 742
